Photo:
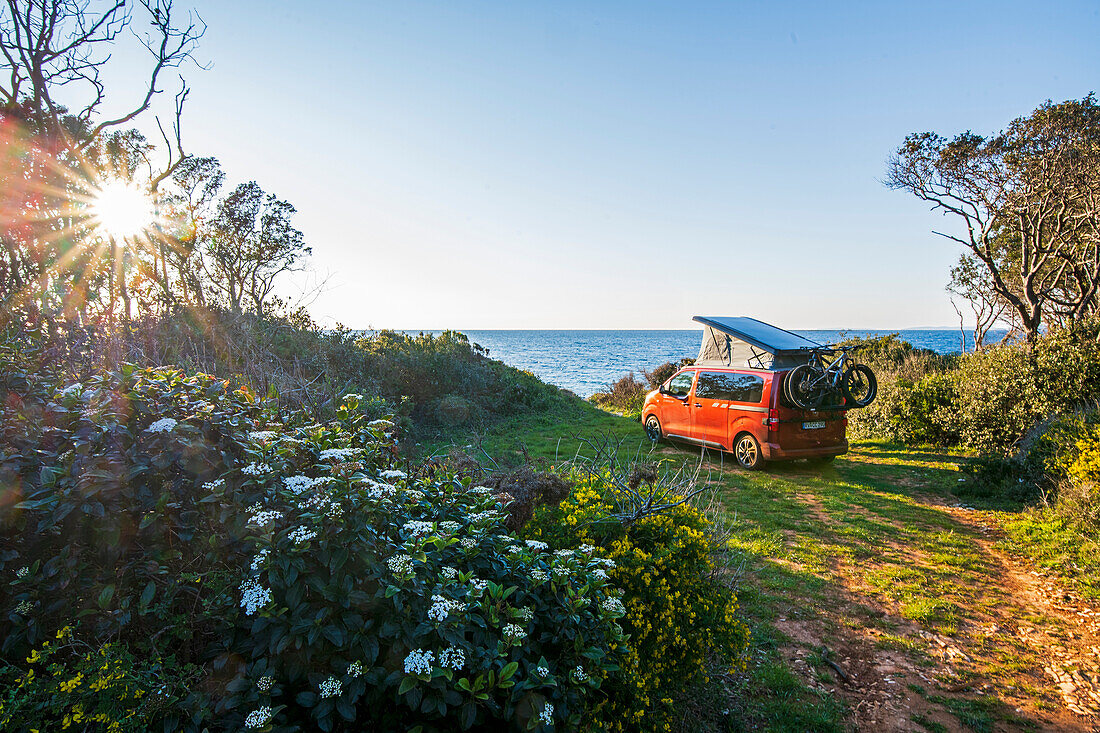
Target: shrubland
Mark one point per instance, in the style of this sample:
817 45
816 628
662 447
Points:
181 551
433 383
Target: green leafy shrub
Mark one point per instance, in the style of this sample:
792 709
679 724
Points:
680 614
399 602
913 413
1041 465
106 527
626 395
916 393
998 398
179 555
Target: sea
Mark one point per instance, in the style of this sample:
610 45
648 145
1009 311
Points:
586 362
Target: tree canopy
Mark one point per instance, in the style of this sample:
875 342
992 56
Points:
1028 200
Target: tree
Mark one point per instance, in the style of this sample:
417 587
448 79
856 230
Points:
49 45
970 280
192 204
252 242
53 59
1029 202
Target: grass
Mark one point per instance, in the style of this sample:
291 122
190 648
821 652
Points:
864 552
1056 546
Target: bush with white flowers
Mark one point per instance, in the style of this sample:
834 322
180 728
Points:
410 606
176 554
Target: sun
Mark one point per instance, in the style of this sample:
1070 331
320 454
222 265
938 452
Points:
121 209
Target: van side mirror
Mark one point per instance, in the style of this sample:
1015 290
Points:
663 389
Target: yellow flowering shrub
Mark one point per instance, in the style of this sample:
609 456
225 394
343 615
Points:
680 618
1086 467
67 685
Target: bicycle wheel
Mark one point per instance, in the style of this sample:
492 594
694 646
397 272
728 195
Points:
799 388
860 385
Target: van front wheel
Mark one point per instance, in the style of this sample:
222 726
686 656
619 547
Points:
653 428
747 452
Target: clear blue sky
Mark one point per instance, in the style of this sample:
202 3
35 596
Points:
593 164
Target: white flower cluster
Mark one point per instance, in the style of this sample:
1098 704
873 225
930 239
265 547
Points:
400 564
479 517
563 553
482 490
331 687
448 572
538 575
613 606
302 534
419 662
417 528
254 596
547 714
352 396
450 527
264 518
381 491
24 608
322 503
606 562
341 454
536 545
560 571
355 669
256 469
298 484
581 675
478 586
211 485
515 631
264 683
262 436
164 425
542 671
453 657
74 388
467 543
259 559
441 608
22 572
526 613
514 549
392 475
258 718
383 424
414 495
586 549
600 573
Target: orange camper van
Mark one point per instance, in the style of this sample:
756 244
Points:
731 398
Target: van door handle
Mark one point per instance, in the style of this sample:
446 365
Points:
698 405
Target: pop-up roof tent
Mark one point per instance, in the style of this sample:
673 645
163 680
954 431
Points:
746 342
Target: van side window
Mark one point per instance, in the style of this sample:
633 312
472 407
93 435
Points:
680 385
730 386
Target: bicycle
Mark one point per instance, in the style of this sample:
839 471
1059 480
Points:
809 385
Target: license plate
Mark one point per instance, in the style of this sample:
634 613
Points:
815 425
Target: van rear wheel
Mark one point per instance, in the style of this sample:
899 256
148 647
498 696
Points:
653 428
747 452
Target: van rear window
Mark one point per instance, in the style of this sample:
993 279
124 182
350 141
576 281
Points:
730 386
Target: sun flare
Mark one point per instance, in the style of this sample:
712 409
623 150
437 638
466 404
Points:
121 209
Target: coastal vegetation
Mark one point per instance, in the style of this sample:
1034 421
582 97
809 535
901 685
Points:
216 514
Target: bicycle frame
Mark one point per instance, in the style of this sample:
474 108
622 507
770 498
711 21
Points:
830 376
